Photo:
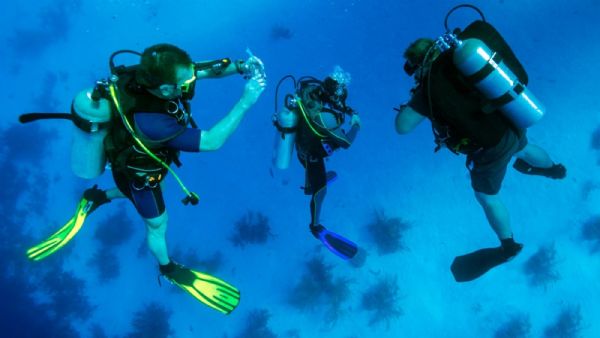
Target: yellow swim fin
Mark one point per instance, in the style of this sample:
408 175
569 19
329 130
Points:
63 235
210 290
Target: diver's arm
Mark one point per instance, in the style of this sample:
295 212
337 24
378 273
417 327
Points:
225 67
351 135
215 137
217 68
356 124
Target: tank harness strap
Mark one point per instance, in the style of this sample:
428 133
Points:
283 130
85 125
307 119
489 67
507 97
191 197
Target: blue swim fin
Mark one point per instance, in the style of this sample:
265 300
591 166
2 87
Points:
339 245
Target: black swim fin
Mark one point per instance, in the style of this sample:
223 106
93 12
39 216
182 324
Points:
473 265
556 171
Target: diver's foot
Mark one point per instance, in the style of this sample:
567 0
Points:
96 196
556 171
168 268
316 230
510 248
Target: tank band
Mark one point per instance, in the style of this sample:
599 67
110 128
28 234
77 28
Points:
481 74
85 125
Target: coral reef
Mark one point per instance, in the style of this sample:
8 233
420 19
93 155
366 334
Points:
23 284
96 331
257 325
387 233
151 322
360 259
318 287
107 265
567 324
115 230
55 25
518 326
595 139
590 232
540 267
587 188
68 296
18 305
252 228
382 300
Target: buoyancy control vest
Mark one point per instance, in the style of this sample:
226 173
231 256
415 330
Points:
319 128
122 151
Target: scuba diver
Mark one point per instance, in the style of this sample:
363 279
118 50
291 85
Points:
313 121
472 88
138 121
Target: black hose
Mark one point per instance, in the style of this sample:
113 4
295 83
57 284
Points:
111 62
30 117
462 6
277 89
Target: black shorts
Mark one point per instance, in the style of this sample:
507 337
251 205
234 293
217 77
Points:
148 201
315 176
488 166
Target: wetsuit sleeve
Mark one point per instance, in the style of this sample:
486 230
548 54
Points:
341 139
418 101
163 128
351 135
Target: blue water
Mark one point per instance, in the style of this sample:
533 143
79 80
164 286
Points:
53 49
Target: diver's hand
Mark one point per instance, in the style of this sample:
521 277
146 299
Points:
255 86
355 121
253 67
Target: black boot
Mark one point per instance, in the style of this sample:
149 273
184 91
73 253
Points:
316 230
556 171
510 248
96 196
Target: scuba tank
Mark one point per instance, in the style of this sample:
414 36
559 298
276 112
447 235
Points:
484 68
91 118
285 121
497 83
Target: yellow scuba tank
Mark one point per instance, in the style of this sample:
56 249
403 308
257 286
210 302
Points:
497 82
91 119
286 121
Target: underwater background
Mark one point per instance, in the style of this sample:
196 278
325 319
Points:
411 210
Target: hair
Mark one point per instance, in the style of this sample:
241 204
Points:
159 63
416 51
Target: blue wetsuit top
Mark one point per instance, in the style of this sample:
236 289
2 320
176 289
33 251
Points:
156 127
159 126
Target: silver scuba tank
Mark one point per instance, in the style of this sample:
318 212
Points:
497 82
284 139
91 119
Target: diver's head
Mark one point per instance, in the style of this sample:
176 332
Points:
335 89
415 54
166 71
